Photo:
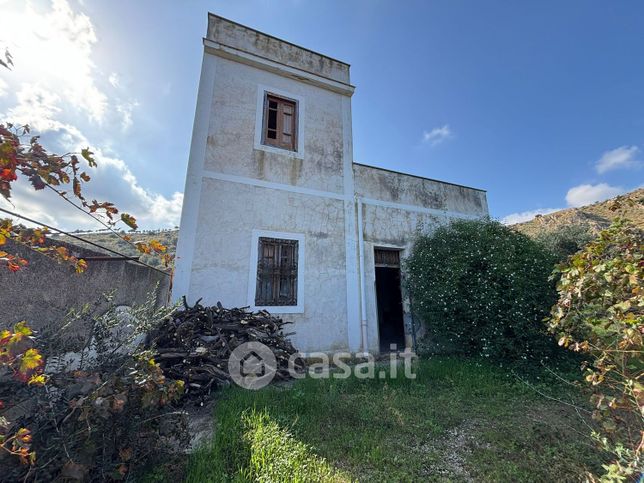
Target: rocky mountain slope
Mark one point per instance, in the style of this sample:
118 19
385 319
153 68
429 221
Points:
596 216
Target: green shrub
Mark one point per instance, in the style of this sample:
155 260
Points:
482 289
566 240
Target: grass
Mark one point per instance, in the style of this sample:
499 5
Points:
458 420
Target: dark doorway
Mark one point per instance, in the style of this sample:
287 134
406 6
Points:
391 329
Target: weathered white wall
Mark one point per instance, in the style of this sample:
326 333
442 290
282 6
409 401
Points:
252 41
396 207
404 189
223 253
231 147
244 187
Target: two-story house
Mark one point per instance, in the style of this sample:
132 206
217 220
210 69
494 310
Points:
277 215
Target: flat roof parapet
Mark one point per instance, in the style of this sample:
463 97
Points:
245 39
400 173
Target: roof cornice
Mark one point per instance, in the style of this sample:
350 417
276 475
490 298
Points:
231 53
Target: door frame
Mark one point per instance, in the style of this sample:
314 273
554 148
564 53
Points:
401 251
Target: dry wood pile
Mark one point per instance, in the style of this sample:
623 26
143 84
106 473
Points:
195 343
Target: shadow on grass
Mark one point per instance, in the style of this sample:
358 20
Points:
457 420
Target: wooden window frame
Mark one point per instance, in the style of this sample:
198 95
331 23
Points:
279 127
387 257
277 272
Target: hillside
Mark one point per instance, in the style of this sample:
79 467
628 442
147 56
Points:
596 216
111 241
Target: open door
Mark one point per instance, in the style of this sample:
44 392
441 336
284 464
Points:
391 328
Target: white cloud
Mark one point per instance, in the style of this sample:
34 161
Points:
125 109
37 107
111 181
587 194
58 95
526 215
4 88
437 135
56 46
115 80
622 157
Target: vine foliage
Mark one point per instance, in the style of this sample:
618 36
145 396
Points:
23 156
600 312
21 361
103 413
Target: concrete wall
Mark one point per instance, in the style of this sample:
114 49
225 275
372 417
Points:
222 261
251 41
236 186
405 189
396 206
45 290
231 145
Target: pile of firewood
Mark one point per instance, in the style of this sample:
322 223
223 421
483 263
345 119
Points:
195 343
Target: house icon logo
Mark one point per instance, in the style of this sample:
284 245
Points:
252 365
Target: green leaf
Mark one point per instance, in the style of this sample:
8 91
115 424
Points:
89 157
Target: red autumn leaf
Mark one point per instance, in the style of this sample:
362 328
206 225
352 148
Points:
77 188
8 174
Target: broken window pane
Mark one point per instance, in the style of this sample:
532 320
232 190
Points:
280 116
272 119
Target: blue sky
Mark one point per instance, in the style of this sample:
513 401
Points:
540 103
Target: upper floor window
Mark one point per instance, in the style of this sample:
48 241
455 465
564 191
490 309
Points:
280 122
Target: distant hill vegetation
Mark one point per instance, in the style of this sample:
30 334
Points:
594 217
109 240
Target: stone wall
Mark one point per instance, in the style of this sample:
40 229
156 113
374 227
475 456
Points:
44 291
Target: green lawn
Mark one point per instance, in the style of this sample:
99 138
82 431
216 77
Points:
458 420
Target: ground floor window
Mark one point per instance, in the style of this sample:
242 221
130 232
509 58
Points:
277 264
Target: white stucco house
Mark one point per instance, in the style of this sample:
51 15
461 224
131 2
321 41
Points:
276 213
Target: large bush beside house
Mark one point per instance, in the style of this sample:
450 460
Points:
483 289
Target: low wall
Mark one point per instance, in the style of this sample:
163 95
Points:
44 291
